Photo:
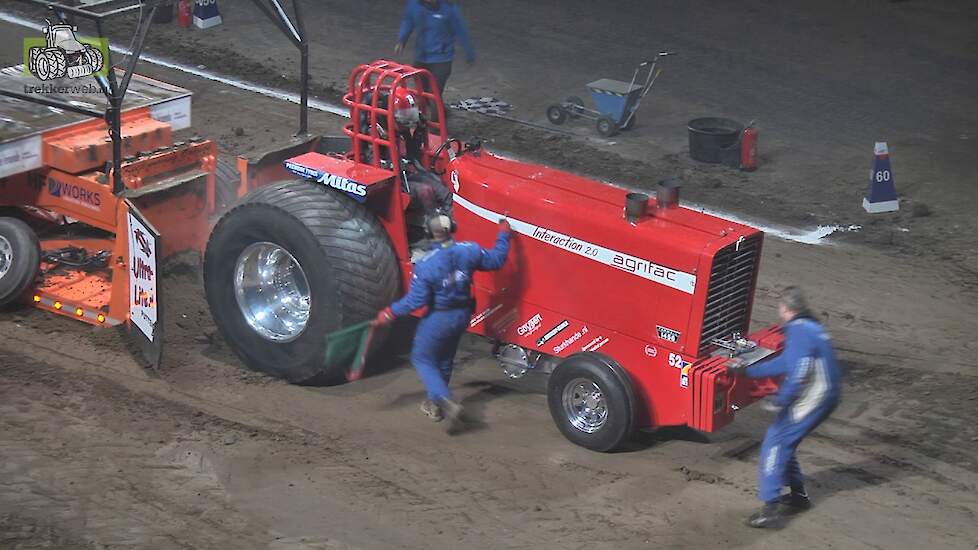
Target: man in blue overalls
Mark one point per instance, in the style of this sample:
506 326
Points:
442 281
439 23
807 396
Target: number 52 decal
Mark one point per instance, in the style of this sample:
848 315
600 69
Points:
676 360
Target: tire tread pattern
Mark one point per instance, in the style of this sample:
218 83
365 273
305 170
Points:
226 180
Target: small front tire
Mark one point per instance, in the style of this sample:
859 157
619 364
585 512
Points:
591 401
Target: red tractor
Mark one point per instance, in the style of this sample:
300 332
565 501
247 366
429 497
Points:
633 305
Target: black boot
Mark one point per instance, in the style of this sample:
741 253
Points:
796 501
453 413
768 515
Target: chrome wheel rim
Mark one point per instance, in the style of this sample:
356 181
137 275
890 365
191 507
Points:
585 405
272 292
6 256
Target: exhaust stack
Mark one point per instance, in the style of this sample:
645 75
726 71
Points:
667 193
636 206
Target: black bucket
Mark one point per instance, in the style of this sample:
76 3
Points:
712 139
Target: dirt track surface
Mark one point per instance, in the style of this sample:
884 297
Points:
99 453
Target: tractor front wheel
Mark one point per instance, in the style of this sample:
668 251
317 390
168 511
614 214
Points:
290 263
20 259
591 401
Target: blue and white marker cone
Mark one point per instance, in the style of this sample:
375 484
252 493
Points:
882 195
206 14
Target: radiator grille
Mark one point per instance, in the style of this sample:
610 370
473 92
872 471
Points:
729 294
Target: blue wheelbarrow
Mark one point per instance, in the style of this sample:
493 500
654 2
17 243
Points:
615 100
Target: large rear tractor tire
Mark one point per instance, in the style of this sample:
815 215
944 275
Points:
291 263
592 402
20 259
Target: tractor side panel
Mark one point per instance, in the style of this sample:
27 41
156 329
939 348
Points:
578 256
561 293
559 303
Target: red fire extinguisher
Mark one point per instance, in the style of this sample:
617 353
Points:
184 13
748 148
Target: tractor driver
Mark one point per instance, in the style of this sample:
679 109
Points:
427 191
412 132
442 281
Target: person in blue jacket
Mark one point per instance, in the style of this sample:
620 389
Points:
439 23
442 281
809 393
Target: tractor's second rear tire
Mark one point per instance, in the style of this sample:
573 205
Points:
592 402
20 259
226 183
291 263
